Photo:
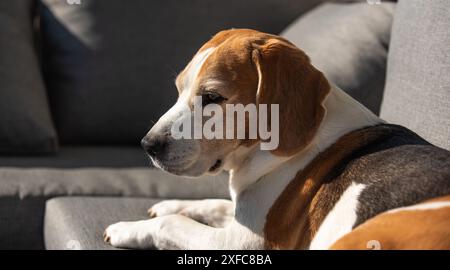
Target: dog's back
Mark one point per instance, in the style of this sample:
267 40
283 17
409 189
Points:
400 170
363 174
405 173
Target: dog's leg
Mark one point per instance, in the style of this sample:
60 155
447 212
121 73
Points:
179 232
212 212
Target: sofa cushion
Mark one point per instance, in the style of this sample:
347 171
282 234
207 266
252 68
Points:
79 222
35 182
82 157
111 66
25 123
417 93
349 43
24 191
25 187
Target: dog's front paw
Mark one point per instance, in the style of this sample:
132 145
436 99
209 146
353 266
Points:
118 234
168 207
133 235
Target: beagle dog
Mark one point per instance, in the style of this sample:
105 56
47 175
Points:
340 178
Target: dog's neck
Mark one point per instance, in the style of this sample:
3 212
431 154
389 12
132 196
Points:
343 114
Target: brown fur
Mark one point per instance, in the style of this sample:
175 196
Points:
417 229
289 79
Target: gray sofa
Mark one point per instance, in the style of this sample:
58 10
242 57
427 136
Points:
86 81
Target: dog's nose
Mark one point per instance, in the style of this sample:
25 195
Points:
153 146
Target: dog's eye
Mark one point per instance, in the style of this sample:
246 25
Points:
212 97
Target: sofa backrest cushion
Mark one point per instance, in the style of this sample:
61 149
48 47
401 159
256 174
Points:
349 43
417 93
110 66
26 126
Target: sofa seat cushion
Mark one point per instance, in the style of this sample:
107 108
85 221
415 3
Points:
349 43
23 193
143 182
26 184
79 222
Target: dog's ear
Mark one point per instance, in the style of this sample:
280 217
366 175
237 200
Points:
287 78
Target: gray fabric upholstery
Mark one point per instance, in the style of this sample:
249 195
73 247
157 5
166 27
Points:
111 70
417 93
82 157
21 223
25 123
23 193
78 223
348 42
25 183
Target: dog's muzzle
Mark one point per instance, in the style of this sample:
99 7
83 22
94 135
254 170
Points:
154 145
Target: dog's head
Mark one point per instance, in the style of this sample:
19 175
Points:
240 67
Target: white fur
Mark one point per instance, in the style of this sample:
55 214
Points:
179 108
194 68
340 220
257 178
186 155
213 212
